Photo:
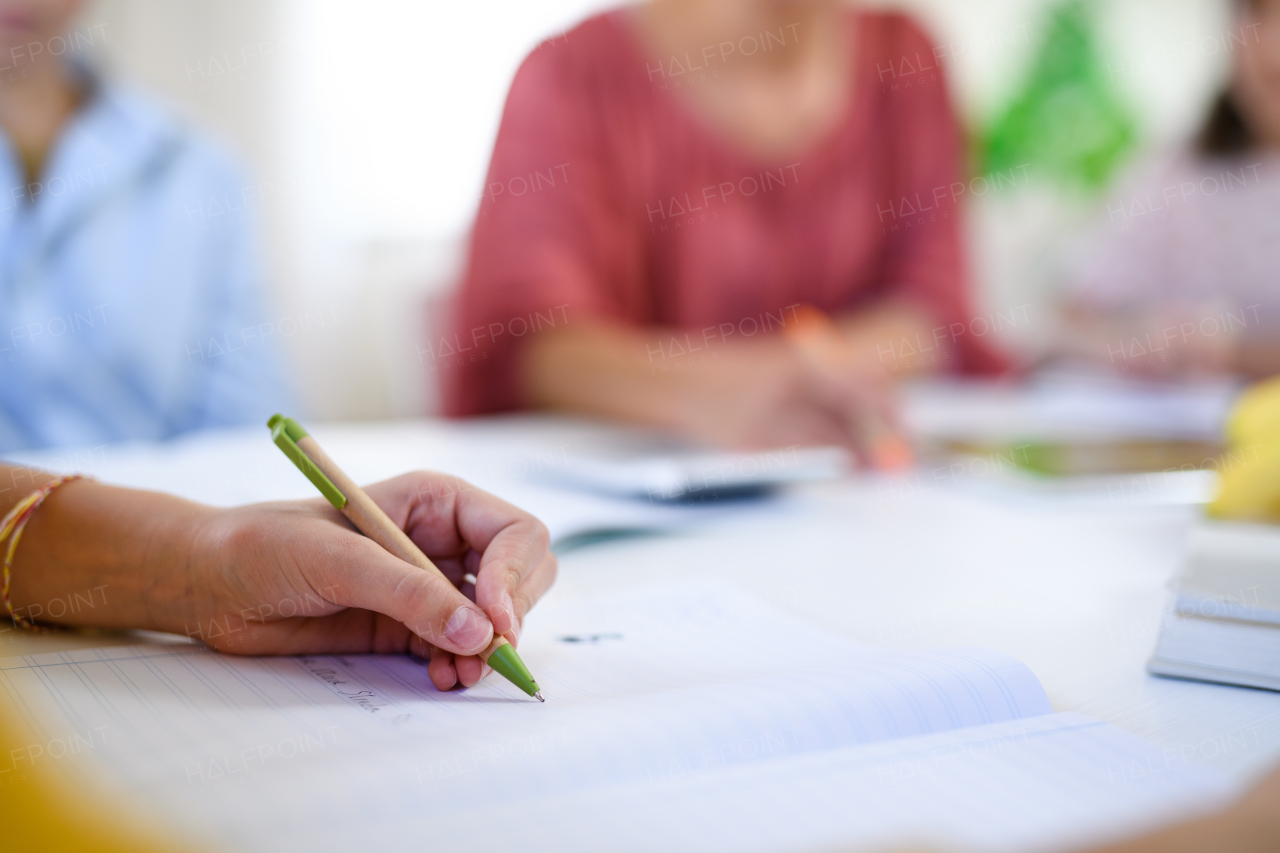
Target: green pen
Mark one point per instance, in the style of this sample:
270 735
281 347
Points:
351 500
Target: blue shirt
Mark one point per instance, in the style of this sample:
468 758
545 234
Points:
130 304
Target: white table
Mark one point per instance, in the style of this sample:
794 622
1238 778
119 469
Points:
1075 590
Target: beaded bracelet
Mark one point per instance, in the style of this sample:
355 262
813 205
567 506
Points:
13 525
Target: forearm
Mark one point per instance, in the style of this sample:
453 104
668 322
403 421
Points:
1100 335
892 338
1257 358
1229 832
98 555
606 370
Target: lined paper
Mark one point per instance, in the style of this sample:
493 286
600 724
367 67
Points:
1047 782
344 750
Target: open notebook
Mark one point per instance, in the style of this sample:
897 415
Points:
688 716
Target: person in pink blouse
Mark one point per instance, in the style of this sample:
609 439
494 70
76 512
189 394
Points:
674 184
1178 278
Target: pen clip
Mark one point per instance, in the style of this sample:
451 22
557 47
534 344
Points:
286 432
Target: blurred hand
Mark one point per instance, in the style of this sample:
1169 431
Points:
1261 807
1250 825
889 339
296 577
762 392
1174 343
770 394
1179 345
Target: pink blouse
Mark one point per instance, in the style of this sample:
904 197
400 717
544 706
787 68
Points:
607 198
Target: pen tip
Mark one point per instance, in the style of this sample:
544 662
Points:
537 694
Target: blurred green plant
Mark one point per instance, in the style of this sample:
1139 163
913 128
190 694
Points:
1066 121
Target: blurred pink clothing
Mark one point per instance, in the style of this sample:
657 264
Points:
609 198
1188 236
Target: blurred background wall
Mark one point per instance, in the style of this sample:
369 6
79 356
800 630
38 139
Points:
366 129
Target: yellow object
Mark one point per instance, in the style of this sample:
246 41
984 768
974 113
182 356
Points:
1249 475
39 810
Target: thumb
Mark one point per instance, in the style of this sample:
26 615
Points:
424 601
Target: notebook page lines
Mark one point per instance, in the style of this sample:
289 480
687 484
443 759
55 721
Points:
640 736
1013 785
287 742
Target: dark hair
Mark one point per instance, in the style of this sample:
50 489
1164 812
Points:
1225 130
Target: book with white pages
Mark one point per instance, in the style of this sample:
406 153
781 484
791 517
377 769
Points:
683 716
1223 622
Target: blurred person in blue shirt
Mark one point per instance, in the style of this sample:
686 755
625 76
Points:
130 304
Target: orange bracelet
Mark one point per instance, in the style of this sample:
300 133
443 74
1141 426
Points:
13 525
